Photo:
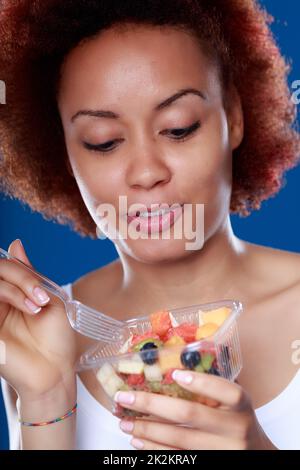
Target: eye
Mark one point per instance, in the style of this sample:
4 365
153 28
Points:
183 133
102 148
178 134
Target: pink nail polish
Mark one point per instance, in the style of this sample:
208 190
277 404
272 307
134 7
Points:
32 307
126 398
127 426
137 444
41 295
182 376
20 241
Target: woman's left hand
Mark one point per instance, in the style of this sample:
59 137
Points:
230 424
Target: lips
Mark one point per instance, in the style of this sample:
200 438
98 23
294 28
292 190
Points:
155 221
154 209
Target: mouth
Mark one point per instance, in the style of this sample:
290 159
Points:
155 210
156 218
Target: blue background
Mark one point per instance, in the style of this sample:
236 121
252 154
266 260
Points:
277 224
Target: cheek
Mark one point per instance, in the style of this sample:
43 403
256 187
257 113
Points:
207 163
97 182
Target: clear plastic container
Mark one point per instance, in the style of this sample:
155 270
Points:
149 368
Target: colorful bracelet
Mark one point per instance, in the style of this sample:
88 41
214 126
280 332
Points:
69 413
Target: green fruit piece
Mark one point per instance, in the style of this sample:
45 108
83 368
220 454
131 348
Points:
207 360
155 387
137 347
125 388
174 390
199 368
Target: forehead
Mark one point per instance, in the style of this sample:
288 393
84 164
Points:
139 62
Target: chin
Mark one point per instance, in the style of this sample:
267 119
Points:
156 251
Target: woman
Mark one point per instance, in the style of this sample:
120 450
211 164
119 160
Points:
178 102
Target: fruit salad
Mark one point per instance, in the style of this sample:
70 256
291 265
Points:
168 341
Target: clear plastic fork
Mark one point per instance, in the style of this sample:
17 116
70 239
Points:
83 319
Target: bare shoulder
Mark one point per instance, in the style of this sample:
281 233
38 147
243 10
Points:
279 266
278 274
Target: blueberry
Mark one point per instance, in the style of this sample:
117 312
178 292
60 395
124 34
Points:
149 353
190 359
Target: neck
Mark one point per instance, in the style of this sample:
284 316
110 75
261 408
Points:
206 275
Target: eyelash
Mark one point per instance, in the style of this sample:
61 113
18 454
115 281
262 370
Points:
187 131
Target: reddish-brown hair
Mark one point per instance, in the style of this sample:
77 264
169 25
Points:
36 35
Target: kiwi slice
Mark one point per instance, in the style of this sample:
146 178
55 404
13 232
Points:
137 347
206 361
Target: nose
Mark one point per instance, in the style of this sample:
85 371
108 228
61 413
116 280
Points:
147 170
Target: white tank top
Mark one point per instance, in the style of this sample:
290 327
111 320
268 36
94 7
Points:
98 429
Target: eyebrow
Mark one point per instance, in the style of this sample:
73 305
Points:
164 104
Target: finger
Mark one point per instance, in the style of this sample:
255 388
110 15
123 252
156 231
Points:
179 436
15 274
17 250
12 295
217 388
178 411
149 445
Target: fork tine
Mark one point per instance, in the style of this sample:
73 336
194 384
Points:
90 313
99 330
94 326
93 333
98 333
104 322
93 323
85 319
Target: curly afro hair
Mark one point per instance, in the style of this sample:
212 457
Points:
35 37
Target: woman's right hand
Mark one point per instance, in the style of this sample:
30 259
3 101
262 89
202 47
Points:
40 347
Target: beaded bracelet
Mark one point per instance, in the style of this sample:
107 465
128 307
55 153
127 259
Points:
69 413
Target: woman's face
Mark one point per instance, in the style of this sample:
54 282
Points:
178 153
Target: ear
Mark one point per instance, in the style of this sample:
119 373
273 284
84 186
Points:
235 117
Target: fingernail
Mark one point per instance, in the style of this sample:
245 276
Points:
19 240
41 295
126 398
137 444
182 376
34 308
127 426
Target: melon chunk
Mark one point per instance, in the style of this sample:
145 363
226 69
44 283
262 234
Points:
175 341
217 316
153 373
109 380
134 365
169 360
206 330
